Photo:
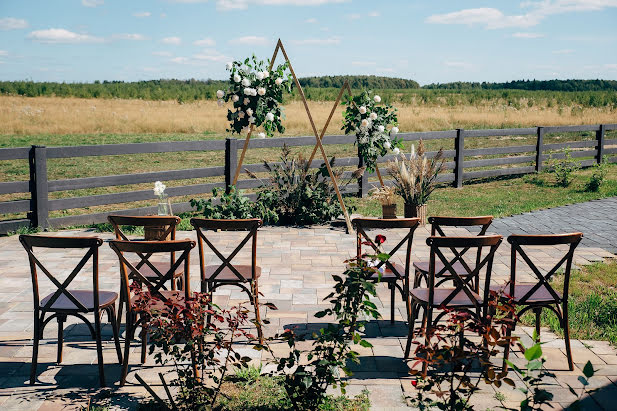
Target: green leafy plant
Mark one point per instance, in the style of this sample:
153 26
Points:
369 120
598 175
233 204
564 168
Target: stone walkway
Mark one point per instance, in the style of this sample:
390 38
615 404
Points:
297 266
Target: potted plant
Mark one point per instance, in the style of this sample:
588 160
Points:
415 178
386 195
155 233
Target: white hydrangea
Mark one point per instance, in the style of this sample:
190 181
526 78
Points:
251 119
237 78
270 117
362 110
377 99
373 116
266 74
159 188
252 91
261 91
278 81
220 93
387 145
247 91
235 98
261 135
364 123
394 130
381 129
246 82
229 65
259 75
396 151
249 111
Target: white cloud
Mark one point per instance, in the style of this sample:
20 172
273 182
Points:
317 42
311 21
62 36
363 63
227 5
11 23
206 42
142 14
250 40
161 53
610 66
458 65
180 60
563 51
385 70
172 40
527 35
129 36
374 14
92 3
492 18
354 16
4 53
211 55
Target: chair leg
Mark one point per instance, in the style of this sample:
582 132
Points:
99 347
35 346
411 324
428 322
392 301
260 333
128 336
506 349
111 313
121 303
538 312
61 320
566 335
144 342
407 299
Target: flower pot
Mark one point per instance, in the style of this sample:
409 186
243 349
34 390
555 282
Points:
413 210
388 210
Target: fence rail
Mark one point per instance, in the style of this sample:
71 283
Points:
523 159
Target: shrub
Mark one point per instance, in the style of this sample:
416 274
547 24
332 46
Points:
564 168
597 177
233 204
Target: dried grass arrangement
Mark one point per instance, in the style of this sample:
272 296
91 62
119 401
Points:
386 195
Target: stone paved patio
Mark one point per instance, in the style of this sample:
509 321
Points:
297 264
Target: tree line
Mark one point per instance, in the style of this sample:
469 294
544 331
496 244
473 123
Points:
531 85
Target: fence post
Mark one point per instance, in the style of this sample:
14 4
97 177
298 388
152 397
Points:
459 157
231 161
39 206
539 144
600 140
363 179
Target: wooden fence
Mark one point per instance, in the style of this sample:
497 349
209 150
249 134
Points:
464 164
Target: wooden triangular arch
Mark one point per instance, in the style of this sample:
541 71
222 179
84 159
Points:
318 137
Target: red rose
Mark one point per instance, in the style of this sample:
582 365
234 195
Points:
380 239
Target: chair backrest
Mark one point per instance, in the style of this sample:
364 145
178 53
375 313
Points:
519 241
206 224
89 244
363 224
120 221
144 250
462 283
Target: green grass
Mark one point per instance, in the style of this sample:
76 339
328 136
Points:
592 304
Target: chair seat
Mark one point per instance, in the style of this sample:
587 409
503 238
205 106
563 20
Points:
423 267
86 297
227 275
520 290
460 299
389 275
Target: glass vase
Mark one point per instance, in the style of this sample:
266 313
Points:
163 208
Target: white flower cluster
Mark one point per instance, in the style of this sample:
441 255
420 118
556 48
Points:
159 189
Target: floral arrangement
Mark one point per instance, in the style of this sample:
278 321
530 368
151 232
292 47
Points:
416 178
256 94
369 119
386 195
164 206
159 190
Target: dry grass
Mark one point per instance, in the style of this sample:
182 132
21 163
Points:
52 115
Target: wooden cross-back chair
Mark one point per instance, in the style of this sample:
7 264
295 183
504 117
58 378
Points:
133 273
463 296
460 264
66 301
167 229
540 294
395 275
226 273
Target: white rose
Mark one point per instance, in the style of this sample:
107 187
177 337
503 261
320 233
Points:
266 74
220 93
377 99
396 151
261 91
261 135
394 130
246 101
253 92
246 82
251 120
220 102
260 75
387 145
278 81
241 115
235 98
362 110
229 65
380 129
159 188
237 78
364 123
373 116
270 117
249 111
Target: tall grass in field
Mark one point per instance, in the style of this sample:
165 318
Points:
54 115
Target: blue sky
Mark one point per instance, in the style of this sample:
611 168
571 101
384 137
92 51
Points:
428 41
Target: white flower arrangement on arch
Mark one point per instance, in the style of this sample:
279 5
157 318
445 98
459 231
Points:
375 126
256 94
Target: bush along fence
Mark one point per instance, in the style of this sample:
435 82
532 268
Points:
465 164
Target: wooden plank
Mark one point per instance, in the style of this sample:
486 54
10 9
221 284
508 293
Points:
127 197
612 150
501 132
498 161
18 153
135 148
16 206
572 144
574 154
300 141
427 135
15 187
499 150
610 126
470 175
571 129
125 179
13 225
